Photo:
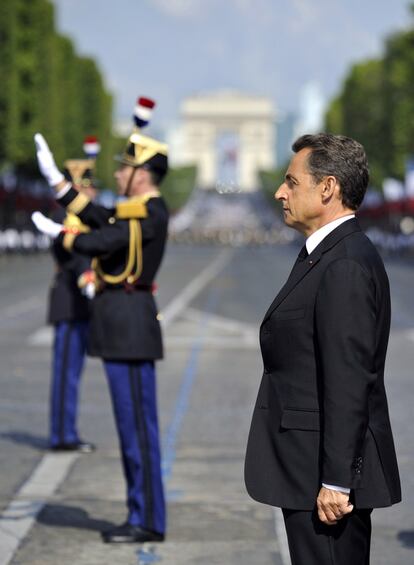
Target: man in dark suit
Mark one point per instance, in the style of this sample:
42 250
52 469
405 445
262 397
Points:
128 243
320 445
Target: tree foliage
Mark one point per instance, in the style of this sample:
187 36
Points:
270 181
178 186
376 107
47 87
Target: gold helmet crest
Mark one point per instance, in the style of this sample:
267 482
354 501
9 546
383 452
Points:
81 171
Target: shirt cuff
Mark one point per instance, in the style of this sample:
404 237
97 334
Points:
63 190
345 490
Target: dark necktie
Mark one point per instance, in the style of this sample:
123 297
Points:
296 267
303 253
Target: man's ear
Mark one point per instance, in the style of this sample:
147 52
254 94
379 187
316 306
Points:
329 188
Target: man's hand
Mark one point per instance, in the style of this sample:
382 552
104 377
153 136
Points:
46 161
332 506
46 226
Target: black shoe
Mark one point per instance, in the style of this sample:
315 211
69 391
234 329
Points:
80 446
126 533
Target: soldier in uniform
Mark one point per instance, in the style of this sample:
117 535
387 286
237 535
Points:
68 312
129 243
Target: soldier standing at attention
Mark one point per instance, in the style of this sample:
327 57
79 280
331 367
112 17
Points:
69 314
128 242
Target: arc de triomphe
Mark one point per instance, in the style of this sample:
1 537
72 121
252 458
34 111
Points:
229 136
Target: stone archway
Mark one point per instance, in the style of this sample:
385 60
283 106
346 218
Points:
228 134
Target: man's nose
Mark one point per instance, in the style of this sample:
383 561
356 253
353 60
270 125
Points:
279 194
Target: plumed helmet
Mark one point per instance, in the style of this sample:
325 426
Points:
142 150
81 171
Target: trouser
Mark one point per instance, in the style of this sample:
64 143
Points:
69 351
313 543
133 393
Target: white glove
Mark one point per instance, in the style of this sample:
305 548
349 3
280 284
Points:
46 161
89 290
45 225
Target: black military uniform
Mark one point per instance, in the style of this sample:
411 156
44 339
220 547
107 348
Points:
66 302
128 242
68 312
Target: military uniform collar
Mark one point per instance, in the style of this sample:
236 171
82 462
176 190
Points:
145 197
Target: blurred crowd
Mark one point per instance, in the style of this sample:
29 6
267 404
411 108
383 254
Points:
210 217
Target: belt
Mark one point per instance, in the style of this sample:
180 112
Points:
130 287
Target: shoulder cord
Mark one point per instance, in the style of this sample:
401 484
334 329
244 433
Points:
134 257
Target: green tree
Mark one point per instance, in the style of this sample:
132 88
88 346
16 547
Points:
376 107
24 86
46 87
178 186
363 114
399 100
270 181
334 118
51 103
8 71
96 109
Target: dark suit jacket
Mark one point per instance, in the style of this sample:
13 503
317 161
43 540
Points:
321 414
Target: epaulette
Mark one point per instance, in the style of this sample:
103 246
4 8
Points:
135 207
72 221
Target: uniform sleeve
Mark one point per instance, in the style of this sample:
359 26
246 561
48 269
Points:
107 239
345 327
148 227
97 242
156 220
80 264
69 261
89 213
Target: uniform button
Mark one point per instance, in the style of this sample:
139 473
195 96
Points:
111 220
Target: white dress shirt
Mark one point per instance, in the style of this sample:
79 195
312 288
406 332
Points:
314 240
311 243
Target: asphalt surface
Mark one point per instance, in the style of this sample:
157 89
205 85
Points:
206 389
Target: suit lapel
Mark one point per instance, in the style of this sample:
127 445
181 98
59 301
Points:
302 267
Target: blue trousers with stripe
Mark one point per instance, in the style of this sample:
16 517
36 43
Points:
69 352
133 393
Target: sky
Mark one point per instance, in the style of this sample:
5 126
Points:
171 49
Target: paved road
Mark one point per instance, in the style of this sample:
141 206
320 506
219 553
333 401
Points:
207 386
